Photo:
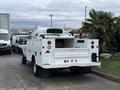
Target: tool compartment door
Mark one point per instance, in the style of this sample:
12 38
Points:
71 53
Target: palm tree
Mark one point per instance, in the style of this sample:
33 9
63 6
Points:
117 33
99 26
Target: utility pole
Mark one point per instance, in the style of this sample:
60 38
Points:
85 12
51 15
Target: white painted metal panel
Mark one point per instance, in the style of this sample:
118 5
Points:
4 21
71 52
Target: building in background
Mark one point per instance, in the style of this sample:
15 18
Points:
4 21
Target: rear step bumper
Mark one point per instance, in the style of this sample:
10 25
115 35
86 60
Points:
93 64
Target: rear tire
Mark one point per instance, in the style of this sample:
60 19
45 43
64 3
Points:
18 50
85 70
36 69
9 52
44 73
24 61
82 70
75 70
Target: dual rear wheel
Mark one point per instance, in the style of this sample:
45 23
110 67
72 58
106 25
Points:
37 70
81 70
40 72
24 61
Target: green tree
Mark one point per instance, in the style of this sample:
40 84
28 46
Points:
100 25
117 33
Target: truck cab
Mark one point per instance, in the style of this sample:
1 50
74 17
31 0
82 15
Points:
18 43
52 48
5 44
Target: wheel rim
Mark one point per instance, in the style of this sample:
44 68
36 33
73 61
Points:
34 68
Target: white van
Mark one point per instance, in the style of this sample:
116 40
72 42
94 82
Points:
52 48
5 44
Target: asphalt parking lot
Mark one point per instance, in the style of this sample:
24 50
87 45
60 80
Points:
15 76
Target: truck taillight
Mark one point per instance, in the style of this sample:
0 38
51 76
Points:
49 47
49 42
92 42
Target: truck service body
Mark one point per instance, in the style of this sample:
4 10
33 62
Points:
5 44
55 49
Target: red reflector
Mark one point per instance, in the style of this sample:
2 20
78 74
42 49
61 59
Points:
49 42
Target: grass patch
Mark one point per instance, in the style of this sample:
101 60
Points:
110 66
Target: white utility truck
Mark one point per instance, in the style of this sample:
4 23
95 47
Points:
52 48
5 44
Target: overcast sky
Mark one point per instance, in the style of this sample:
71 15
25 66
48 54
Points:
69 12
